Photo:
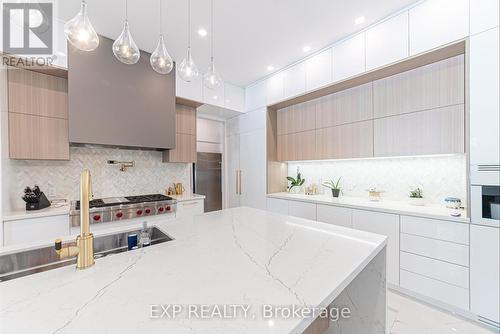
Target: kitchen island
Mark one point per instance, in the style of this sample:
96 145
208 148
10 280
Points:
232 271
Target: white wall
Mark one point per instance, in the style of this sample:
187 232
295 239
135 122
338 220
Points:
438 176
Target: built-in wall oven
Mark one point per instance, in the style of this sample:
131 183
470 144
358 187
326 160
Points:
485 195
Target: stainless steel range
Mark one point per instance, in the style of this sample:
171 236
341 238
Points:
120 208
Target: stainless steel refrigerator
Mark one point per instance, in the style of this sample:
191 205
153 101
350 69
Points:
208 179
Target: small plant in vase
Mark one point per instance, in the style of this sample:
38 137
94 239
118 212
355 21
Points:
416 197
334 187
295 183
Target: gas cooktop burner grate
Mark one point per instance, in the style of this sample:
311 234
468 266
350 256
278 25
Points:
95 203
148 198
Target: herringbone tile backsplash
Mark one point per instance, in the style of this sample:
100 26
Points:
438 176
148 176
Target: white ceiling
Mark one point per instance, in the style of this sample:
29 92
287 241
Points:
249 35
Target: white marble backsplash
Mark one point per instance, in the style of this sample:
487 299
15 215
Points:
62 178
437 176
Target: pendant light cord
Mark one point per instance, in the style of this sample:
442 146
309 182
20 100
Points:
161 21
126 10
212 28
189 23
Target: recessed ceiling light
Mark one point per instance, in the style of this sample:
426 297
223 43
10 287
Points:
306 48
270 67
202 32
359 20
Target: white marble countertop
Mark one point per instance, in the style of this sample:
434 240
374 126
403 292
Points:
56 210
187 197
396 207
239 256
53 210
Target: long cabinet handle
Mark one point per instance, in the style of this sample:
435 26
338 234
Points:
237 182
240 183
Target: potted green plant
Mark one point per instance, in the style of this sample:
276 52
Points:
416 197
334 186
295 183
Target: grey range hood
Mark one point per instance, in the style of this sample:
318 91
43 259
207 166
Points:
114 104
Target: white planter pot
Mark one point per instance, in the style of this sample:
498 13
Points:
416 201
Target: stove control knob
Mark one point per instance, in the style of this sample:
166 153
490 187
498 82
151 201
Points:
97 217
148 211
169 208
161 208
139 212
119 214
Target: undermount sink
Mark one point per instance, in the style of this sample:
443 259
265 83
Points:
41 259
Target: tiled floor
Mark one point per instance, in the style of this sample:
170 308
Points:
407 316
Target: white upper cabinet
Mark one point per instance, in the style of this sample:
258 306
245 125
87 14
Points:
255 96
294 80
214 96
319 70
274 88
484 98
188 90
234 97
349 57
483 15
60 45
437 22
387 42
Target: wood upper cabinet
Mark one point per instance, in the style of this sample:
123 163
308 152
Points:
297 118
417 112
347 106
185 136
353 140
437 131
185 119
432 86
38 116
297 146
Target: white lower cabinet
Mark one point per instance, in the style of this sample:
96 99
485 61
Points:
190 208
436 249
485 272
302 210
434 259
35 229
335 215
440 291
435 269
385 224
277 205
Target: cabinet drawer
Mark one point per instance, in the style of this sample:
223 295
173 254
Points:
335 215
436 229
302 210
277 205
435 249
189 208
35 229
439 270
435 289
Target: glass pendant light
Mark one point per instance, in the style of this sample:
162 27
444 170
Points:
187 69
124 47
79 31
160 60
212 79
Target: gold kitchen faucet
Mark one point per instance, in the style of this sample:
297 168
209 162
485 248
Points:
84 249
